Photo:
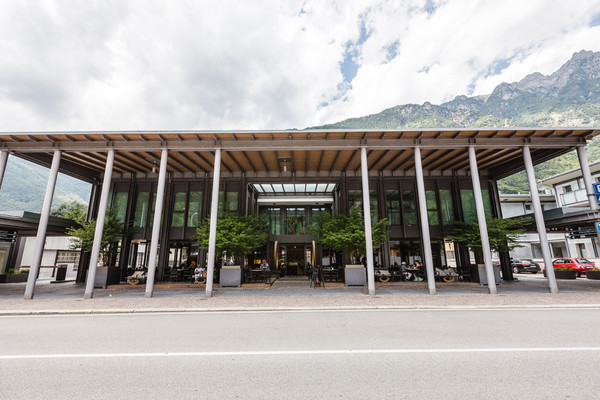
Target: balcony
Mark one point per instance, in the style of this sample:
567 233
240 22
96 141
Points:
576 196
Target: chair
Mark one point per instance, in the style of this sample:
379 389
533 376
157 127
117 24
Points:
465 274
174 275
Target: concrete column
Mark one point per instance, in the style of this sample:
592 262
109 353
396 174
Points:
160 194
3 160
91 276
587 180
212 233
424 222
539 220
485 241
40 239
367 215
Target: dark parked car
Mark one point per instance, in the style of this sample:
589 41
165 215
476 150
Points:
525 265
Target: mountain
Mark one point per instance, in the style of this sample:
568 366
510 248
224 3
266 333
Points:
24 186
568 97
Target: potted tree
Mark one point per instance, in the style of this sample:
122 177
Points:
502 235
14 275
564 273
346 234
237 236
83 238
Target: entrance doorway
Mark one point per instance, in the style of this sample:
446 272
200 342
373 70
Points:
294 259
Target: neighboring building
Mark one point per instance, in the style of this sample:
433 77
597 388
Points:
17 240
420 180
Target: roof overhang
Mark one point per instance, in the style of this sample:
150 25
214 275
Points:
499 151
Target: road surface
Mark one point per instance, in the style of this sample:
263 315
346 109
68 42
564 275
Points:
376 354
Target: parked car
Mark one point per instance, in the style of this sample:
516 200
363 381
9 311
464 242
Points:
581 265
525 265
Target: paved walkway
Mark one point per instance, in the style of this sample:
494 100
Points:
528 291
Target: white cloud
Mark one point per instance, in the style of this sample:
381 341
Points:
265 64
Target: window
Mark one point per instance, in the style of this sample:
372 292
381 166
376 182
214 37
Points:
120 205
273 215
568 189
295 222
409 207
392 202
447 206
141 210
194 209
179 210
468 204
432 208
228 202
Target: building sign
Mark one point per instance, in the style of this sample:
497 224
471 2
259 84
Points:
584 232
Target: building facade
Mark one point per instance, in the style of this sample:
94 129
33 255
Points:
165 183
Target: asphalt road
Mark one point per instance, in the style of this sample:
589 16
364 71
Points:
400 354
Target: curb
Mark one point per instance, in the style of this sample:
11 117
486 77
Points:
300 309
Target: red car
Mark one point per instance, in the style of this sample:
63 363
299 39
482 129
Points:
581 265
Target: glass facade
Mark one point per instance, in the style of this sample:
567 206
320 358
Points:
141 210
194 209
447 206
409 207
178 210
468 204
392 202
119 205
432 208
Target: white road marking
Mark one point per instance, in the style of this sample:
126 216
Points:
301 352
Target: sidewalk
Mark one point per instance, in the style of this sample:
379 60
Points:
529 291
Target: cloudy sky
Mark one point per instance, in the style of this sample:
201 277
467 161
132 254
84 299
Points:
253 64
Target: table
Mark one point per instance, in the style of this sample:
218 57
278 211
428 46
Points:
257 274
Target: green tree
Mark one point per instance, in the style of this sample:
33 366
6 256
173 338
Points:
83 237
237 235
74 209
502 233
346 233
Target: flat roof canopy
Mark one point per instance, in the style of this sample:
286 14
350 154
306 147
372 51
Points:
498 150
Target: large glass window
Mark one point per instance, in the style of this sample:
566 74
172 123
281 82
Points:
392 202
295 221
432 208
468 204
409 207
141 210
228 202
194 209
274 219
120 205
179 210
447 206
153 207
355 201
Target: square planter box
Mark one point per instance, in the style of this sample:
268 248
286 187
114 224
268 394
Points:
106 276
13 278
593 275
355 275
570 274
230 275
483 276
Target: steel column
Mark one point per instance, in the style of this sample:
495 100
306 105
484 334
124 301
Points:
539 220
40 239
91 276
3 160
587 180
367 215
160 194
212 238
483 232
424 222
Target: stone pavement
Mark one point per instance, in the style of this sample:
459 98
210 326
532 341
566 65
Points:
528 291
